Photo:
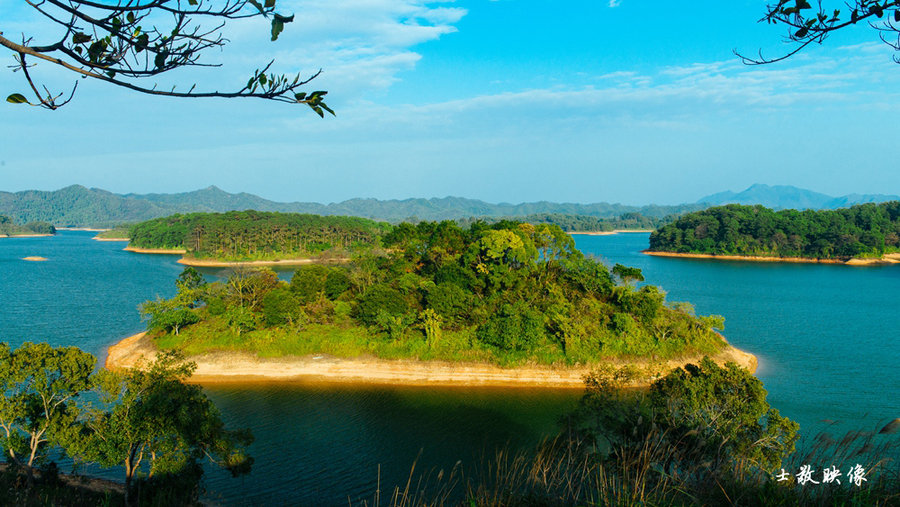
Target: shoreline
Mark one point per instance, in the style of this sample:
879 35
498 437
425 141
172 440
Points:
97 238
884 260
163 251
7 236
610 233
243 367
211 263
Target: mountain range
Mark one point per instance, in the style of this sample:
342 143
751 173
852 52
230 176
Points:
790 197
78 206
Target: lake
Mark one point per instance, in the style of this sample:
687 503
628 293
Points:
826 337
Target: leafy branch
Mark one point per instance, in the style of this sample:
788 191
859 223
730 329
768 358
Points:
127 41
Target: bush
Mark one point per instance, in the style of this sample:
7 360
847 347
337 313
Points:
379 298
515 327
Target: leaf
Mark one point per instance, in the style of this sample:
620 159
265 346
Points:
80 38
897 15
300 96
277 28
17 98
257 5
801 32
270 4
192 2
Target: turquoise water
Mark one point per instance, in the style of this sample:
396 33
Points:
826 337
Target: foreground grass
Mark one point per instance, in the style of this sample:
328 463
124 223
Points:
346 339
564 471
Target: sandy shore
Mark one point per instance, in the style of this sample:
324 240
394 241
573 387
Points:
243 367
96 238
610 233
208 263
34 258
3 236
886 259
173 251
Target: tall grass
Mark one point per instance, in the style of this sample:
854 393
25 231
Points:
566 471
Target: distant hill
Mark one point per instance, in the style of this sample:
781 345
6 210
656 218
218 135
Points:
790 197
77 206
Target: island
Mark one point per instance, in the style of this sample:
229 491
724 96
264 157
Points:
508 303
865 234
255 237
9 229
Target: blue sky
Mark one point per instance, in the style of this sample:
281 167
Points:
507 100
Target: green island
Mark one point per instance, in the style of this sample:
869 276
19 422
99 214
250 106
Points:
257 235
508 293
865 231
9 229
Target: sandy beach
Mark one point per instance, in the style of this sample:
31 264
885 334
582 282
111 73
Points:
209 263
244 367
167 251
34 258
886 259
5 236
95 238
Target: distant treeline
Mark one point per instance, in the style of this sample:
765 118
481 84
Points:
582 223
248 235
866 230
9 228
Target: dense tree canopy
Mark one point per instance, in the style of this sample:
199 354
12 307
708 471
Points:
245 235
126 43
150 421
500 292
862 230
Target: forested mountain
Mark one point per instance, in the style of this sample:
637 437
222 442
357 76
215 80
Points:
258 235
790 197
78 206
864 230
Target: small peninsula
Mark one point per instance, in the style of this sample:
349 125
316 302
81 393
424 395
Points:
9 229
497 304
865 234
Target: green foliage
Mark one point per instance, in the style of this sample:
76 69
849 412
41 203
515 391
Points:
38 384
515 327
379 299
256 235
507 292
9 228
282 307
157 417
168 315
241 319
862 230
726 409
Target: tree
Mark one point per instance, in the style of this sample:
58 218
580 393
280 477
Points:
37 385
168 314
807 24
125 43
158 420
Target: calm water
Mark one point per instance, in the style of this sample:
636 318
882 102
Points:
826 337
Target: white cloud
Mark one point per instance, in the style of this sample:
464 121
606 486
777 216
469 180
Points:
614 3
